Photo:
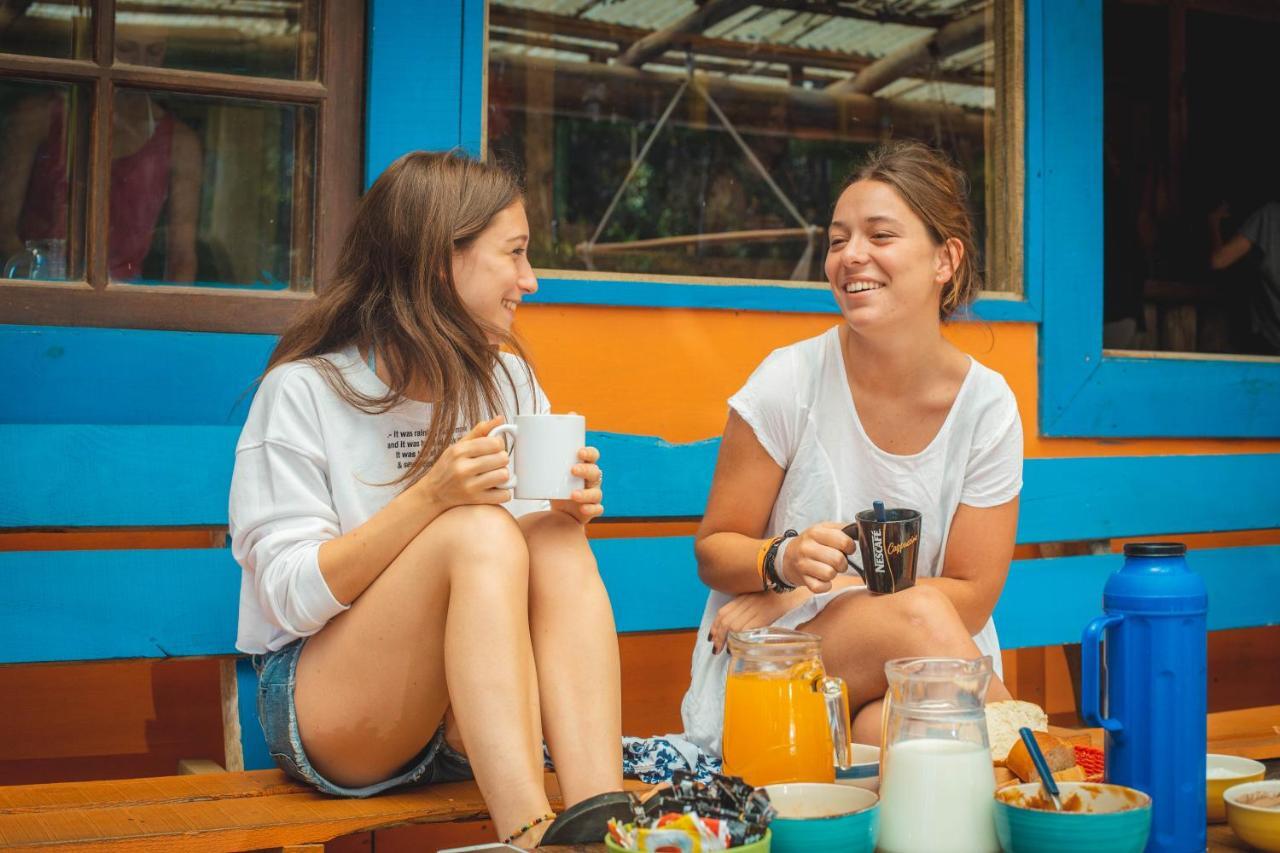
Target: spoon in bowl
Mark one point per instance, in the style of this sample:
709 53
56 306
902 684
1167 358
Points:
1047 783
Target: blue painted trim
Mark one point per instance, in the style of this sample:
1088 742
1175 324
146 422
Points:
1083 393
253 744
734 297
416 85
96 605
68 375
72 475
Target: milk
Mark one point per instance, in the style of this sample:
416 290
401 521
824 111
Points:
936 796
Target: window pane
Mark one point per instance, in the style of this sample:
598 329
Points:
206 190
263 38
574 98
62 30
44 134
1191 184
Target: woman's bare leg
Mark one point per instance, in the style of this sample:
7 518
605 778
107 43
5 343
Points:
445 625
860 632
575 645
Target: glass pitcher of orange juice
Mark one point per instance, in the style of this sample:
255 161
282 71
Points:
785 719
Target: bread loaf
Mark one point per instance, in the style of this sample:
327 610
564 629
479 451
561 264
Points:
1060 756
1003 721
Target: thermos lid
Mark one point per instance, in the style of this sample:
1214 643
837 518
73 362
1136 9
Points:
1155 579
1154 549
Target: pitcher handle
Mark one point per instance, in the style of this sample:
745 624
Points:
836 696
1090 692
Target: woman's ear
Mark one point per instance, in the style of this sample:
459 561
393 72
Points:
947 260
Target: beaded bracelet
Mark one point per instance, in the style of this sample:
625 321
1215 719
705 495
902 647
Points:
773 580
528 826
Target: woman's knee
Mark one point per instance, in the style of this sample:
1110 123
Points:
467 535
927 612
558 549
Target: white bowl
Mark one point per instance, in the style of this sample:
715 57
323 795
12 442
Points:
865 772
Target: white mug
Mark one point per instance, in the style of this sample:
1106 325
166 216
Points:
543 450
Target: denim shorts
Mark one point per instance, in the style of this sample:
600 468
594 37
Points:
277 675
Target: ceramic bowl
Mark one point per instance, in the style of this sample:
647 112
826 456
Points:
1256 825
1105 819
1223 772
865 772
820 817
761 846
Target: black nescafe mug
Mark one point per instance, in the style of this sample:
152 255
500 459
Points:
889 549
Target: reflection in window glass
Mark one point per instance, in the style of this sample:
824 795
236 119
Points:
44 132
577 88
263 38
58 29
202 190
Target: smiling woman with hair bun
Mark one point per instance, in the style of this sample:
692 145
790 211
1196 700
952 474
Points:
880 407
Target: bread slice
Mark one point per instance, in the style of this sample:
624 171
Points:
1059 755
1005 718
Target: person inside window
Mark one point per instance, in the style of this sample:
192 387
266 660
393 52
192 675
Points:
1260 232
156 167
880 407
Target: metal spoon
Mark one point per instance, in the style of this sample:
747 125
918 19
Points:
1047 783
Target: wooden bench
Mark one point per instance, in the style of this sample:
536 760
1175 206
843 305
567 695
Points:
124 460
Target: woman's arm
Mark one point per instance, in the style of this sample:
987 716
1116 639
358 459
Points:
470 471
743 492
1223 255
979 550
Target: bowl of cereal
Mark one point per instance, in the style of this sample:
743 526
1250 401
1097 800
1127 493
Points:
1253 810
1221 773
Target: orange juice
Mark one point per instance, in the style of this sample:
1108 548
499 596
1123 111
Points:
775 727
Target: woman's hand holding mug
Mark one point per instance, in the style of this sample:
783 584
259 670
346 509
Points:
815 557
586 503
472 470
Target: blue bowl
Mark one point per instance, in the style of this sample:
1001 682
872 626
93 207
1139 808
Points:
823 817
1099 818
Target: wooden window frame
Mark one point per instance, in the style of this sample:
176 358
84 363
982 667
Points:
328 160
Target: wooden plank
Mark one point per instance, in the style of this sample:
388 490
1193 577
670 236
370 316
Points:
91 475
229 811
95 611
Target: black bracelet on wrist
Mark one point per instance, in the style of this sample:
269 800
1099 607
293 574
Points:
772 579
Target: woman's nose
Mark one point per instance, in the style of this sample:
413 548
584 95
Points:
855 252
528 282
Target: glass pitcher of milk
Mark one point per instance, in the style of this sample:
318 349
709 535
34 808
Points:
936 781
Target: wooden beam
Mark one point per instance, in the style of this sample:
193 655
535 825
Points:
811 113
657 43
858 12
951 39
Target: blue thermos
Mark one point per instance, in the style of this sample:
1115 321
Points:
1153 692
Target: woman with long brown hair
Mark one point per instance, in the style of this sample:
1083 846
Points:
879 407
412 621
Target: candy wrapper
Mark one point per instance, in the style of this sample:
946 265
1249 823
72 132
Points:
692 817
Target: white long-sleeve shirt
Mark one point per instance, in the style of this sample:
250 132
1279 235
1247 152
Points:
311 467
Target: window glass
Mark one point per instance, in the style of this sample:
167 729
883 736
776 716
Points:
62 30
264 38
1192 183
205 190
633 164
44 133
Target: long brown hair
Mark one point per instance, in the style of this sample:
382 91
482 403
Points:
937 192
393 290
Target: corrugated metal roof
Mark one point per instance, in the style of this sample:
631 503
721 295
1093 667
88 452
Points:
805 29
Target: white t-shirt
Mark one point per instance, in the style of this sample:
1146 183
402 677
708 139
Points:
798 404
311 467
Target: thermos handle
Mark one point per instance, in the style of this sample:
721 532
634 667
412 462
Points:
1090 690
837 700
